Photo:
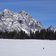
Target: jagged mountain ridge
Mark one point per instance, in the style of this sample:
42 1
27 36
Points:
52 28
10 21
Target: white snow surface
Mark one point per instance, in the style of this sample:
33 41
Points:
10 21
27 47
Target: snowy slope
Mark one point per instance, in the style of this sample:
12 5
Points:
27 47
10 21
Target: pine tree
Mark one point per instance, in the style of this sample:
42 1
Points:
37 35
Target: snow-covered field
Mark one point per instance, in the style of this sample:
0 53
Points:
27 47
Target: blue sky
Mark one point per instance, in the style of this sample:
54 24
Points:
42 10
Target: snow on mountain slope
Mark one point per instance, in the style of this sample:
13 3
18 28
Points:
27 47
52 28
10 21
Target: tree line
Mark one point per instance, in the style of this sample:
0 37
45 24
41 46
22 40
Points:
43 34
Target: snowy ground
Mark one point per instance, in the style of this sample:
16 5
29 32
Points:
27 47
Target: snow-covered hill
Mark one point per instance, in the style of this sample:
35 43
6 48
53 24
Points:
27 47
52 28
10 21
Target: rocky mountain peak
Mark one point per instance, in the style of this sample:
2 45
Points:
11 21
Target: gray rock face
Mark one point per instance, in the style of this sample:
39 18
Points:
10 21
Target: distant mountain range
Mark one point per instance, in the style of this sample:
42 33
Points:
52 28
10 21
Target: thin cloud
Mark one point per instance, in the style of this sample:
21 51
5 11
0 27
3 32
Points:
30 3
